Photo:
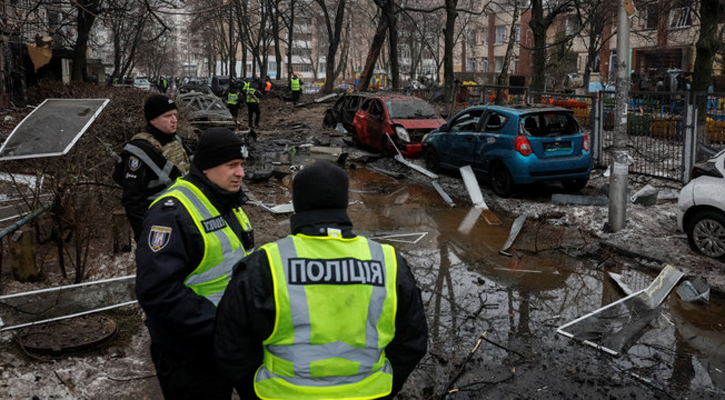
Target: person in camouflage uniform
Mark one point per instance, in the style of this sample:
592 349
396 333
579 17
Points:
152 160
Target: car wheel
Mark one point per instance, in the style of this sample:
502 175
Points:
500 180
574 185
706 233
432 163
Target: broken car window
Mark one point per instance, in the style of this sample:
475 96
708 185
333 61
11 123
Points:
410 109
467 121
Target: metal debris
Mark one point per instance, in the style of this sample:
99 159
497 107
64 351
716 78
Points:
52 129
616 326
469 179
696 289
579 200
513 234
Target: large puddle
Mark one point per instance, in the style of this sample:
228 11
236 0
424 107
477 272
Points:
518 302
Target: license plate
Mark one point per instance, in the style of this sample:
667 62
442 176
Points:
557 146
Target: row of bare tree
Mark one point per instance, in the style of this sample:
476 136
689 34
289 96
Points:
384 31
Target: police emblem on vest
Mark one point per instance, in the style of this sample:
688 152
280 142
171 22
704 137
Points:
133 163
159 237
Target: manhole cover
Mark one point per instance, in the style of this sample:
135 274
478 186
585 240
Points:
68 335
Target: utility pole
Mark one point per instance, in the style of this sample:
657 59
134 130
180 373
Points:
619 171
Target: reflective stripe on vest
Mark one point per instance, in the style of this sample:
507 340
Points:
335 316
164 175
251 95
294 84
222 247
232 98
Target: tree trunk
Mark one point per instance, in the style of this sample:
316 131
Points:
538 28
373 53
501 78
448 40
707 46
393 43
86 17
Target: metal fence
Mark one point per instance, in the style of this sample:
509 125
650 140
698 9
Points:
661 128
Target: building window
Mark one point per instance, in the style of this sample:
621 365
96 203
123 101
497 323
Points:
516 65
485 36
680 16
652 17
572 25
518 33
484 67
498 64
500 34
471 64
472 36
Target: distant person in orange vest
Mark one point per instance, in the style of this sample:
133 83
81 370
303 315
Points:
267 85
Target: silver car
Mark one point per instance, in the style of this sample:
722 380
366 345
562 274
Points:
701 208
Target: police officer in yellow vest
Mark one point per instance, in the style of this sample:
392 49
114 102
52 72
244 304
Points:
251 95
295 85
232 96
322 313
192 236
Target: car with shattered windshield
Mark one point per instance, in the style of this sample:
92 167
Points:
206 110
513 146
392 123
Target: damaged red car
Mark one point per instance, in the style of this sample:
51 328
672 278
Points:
388 121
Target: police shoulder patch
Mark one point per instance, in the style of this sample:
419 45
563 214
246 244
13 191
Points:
134 163
159 237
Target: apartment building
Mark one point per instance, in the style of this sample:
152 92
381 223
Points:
482 52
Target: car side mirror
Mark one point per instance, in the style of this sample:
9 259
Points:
443 128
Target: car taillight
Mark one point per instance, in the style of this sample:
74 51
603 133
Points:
523 146
585 143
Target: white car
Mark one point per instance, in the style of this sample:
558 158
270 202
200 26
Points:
142 83
701 208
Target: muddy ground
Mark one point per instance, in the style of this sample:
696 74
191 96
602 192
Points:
121 368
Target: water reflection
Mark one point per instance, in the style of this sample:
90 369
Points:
469 288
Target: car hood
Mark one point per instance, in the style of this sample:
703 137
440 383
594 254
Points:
419 124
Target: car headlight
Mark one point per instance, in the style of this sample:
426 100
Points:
402 134
425 137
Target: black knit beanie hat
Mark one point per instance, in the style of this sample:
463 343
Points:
157 105
320 186
217 146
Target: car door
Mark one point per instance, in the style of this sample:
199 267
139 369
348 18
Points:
360 122
376 125
492 141
458 144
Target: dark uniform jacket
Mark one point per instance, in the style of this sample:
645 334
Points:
137 175
245 316
179 320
